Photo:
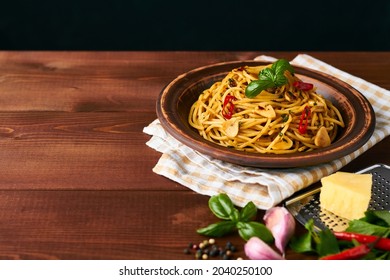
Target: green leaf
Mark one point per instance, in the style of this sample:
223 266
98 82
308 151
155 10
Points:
257 86
302 243
280 80
279 67
282 65
221 206
248 212
308 242
360 226
377 217
328 243
235 215
249 229
269 78
267 74
309 225
218 229
310 228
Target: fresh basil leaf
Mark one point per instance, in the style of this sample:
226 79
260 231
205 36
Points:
282 65
279 67
235 215
257 86
328 243
248 212
267 74
218 229
269 77
302 243
249 229
360 226
280 80
221 206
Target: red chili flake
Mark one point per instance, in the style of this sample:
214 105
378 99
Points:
303 86
304 120
228 106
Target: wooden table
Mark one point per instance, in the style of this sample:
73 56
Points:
76 179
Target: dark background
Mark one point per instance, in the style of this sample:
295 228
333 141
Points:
195 25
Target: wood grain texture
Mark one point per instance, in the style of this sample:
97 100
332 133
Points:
103 225
76 179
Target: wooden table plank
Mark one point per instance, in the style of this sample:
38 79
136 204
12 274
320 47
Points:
118 81
58 150
88 225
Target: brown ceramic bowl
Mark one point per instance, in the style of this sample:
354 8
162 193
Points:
176 99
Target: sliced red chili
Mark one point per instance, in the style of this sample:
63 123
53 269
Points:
303 86
228 106
304 120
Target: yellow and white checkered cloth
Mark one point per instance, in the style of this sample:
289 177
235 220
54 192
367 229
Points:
265 187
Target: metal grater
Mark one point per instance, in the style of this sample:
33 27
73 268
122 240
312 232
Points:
307 206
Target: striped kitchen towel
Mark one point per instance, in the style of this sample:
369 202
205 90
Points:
265 187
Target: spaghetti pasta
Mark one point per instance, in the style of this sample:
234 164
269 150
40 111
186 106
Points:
289 118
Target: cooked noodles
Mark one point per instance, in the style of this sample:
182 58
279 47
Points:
279 120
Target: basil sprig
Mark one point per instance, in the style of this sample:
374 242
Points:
233 219
269 77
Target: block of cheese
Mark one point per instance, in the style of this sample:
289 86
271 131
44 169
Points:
346 194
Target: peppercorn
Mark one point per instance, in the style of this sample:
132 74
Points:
209 249
214 252
198 254
228 245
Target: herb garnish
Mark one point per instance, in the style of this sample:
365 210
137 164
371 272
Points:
233 219
269 77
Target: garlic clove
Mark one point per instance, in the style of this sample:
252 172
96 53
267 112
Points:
266 110
322 138
257 249
285 143
281 224
231 127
